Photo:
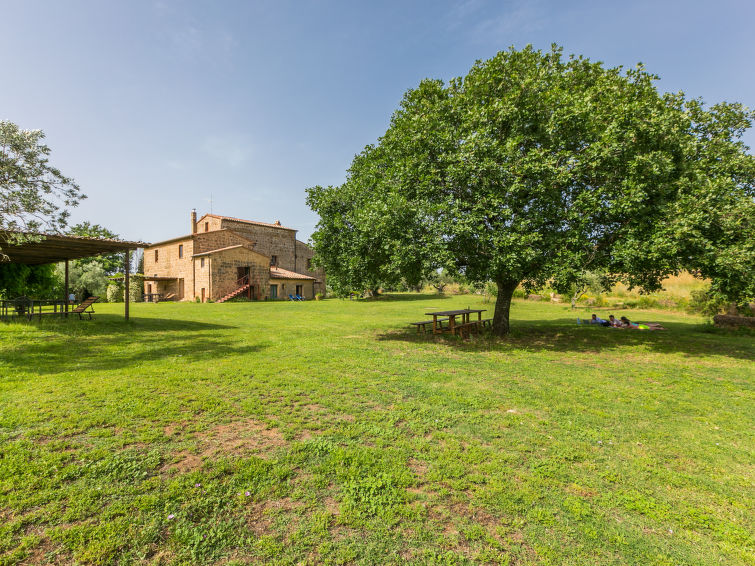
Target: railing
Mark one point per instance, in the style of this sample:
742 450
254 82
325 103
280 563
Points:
28 307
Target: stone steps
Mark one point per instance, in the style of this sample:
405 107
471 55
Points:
232 294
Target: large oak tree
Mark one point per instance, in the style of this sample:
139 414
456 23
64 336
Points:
536 168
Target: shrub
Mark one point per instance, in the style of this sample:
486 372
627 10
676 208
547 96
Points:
136 289
491 289
645 302
705 302
114 293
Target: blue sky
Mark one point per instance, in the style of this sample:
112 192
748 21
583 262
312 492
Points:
156 107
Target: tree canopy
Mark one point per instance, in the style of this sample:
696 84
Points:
17 279
110 263
536 168
34 195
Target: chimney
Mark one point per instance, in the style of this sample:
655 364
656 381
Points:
193 220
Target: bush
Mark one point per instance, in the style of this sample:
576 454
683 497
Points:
136 289
114 293
645 302
705 302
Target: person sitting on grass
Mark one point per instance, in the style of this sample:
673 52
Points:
596 320
613 321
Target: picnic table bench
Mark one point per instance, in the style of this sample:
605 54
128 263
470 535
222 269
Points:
425 323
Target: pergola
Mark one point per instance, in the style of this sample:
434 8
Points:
55 248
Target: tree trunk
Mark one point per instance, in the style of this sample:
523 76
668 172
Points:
576 296
506 290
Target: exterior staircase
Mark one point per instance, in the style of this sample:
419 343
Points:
233 294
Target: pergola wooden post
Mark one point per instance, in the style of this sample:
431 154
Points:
126 270
65 291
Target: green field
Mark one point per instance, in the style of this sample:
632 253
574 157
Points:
330 433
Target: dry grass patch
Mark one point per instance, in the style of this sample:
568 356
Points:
45 552
239 439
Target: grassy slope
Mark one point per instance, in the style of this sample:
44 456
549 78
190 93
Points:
324 432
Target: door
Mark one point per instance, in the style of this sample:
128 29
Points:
203 294
149 292
242 273
300 290
273 291
180 289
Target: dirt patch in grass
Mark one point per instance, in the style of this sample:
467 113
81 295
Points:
239 439
418 467
261 516
332 506
45 552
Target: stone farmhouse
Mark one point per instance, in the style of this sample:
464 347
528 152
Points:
226 257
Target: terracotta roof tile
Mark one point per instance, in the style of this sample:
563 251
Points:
280 273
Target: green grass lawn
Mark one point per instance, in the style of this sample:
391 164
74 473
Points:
329 432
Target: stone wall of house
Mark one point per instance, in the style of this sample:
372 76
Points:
224 270
202 269
169 264
208 224
269 241
287 287
208 241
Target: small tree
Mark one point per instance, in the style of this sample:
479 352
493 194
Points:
439 280
86 279
589 281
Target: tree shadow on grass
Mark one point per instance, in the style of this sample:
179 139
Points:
562 335
109 324
111 344
406 297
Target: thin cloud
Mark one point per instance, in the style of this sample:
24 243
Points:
484 23
186 38
230 150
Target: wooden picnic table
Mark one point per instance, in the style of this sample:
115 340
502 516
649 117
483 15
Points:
463 313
